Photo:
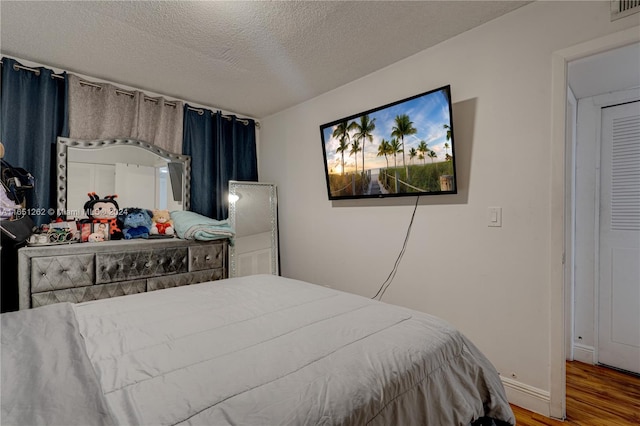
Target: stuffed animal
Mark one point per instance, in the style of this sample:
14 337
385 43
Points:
137 223
104 210
162 223
96 237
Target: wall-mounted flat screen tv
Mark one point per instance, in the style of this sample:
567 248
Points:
400 149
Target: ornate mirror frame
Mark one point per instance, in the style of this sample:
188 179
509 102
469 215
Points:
244 213
63 145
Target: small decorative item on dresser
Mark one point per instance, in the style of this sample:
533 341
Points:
137 223
162 223
104 211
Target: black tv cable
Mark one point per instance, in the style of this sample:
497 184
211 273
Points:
385 285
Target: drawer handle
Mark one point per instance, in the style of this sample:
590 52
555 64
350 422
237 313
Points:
207 257
148 265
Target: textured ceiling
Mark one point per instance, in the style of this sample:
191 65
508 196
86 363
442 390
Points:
254 58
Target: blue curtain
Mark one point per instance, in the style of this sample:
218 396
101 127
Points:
32 115
222 148
197 142
236 156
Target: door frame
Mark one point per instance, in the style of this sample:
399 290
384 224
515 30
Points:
569 256
561 235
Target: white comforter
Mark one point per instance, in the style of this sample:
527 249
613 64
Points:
266 350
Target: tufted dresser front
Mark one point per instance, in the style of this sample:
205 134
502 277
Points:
88 271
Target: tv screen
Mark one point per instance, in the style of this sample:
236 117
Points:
400 149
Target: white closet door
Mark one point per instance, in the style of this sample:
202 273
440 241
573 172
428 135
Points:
619 266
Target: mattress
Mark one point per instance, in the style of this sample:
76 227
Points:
267 350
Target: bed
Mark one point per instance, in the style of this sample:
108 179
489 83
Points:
257 350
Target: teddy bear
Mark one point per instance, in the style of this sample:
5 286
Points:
137 223
104 210
162 223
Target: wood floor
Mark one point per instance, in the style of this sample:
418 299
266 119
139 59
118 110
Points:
596 396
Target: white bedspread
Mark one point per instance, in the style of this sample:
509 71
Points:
266 350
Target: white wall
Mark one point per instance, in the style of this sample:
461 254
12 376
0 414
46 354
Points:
492 283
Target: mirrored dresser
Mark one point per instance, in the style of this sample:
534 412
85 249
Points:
82 272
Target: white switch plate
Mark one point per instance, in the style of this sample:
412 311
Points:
495 217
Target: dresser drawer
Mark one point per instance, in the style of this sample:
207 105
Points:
209 256
60 272
86 294
130 265
178 280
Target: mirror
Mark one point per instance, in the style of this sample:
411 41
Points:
253 214
141 174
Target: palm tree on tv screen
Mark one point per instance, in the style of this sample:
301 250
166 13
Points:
448 129
447 157
384 149
396 148
344 145
412 154
422 149
341 133
404 127
355 149
363 133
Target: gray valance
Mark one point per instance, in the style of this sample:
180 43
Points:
102 110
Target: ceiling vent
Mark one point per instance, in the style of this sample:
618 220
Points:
622 8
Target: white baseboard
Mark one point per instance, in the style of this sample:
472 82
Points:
584 353
538 400
527 397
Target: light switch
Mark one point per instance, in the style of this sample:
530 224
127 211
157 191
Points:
495 217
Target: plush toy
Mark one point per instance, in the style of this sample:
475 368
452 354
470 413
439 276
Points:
104 210
137 223
96 237
162 223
